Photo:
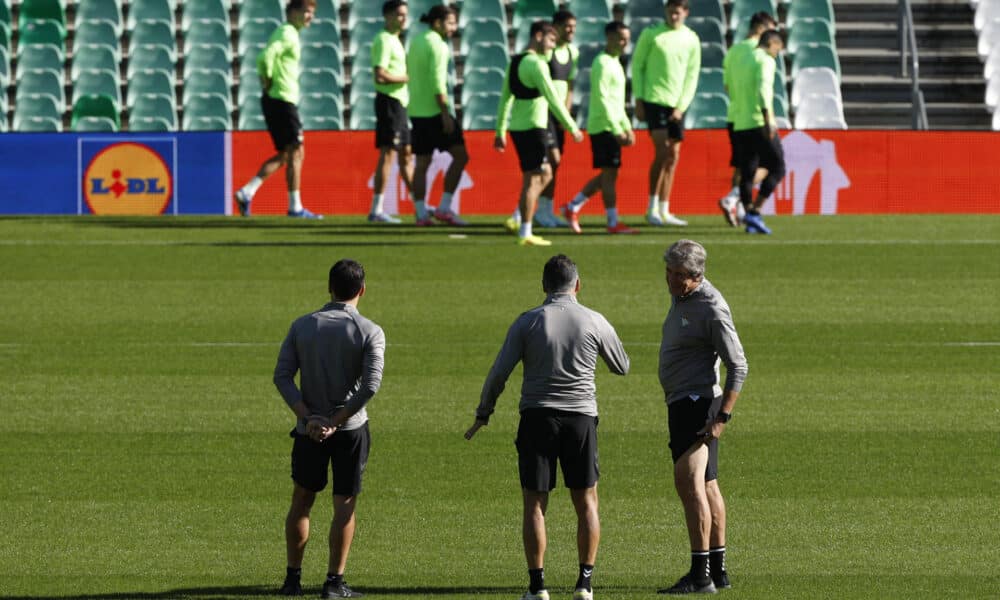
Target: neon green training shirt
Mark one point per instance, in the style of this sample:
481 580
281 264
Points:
279 62
736 54
427 64
753 90
388 53
665 66
607 97
533 72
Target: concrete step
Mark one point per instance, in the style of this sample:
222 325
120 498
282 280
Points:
886 36
895 89
938 63
935 12
897 115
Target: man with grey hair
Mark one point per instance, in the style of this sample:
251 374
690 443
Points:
559 343
697 333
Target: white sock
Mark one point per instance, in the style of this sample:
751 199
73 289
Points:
612 216
525 229
654 203
577 202
516 215
294 202
734 193
252 186
664 207
377 200
445 205
419 208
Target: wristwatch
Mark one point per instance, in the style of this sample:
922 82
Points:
723 417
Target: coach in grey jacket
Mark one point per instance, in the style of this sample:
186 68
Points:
559 343
697 333
339 356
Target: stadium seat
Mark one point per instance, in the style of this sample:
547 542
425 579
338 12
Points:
316 81
482 80
265 9
480 31
810 9
321 32
480 9
37 124
321 111
488 55
105 11
42 10
149 10
710 82
5 35
644 8
95 106
254 35
986 11
590 31
155 106
326 10
98 83
251 122
992 94
36 83
208 33
207 123
201 12
40 106
206 111
588 52
815 55
362 121
709 29
249 88
810 31
814 80
208 58
708 8
989 38
369 12
818 108
91 34
780 106
992 65
322 56
479 111
49 33
705 110
636 25
996 120
362 90
528 11
97 57
4 72
151 57
156 124
95 124
205 82
361 36
154 33
5 16
144 83
712 56
742 10
39 58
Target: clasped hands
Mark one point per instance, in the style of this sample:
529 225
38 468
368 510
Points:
318 428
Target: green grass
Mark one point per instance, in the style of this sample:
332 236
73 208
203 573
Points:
144 449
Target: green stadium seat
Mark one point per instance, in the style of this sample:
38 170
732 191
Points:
488 55
816 55
95 106
709 29
321 111
201 12
94 11
39 58
5 35
154 33
248 66
710 82
95 124
97 57
321 32
362 90
98 83
368 11
781 106
254 35
208 33
589 31
636 25
4 72
46 32
151 106
810 9
207 105
251 122
482 80
146 83
810 31
40 105
207 123
706 110
97 33
708 8
209 58
264 9
528 11
643 9
5 16
157 124
149 10
37 124
591 9
249 88
588 52
316 81
361 36
326 10
42 10
41 83
205 82
479 111
712 56
481 9
742 10
322 56
479 31
362 121
151 57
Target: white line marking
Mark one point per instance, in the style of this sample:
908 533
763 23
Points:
505 240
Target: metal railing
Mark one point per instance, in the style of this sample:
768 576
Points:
908 49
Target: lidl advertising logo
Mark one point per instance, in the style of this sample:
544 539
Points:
127 178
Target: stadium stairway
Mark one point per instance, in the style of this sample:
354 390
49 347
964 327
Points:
951 75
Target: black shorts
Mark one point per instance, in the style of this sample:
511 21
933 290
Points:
283 122
606 150
685 418
546 436
428 135
392 128
532 148
658 117
755 150
733 156
558 133
347 451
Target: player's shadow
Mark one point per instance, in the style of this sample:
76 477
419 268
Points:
269 591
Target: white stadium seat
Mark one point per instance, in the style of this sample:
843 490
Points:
819 108
988 37
986 11
992 66
814 80
996 121
993 93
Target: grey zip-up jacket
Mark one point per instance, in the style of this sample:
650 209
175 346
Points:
697 333
559 343
339 355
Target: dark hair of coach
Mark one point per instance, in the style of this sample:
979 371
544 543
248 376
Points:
347 277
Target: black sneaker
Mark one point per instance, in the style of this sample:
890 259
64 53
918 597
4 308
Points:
686 585
339 590
721 581
291 587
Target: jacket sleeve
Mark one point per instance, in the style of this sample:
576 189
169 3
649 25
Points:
612 350
727 345
372 364
691 76
510 354
639 65
503 108
286 368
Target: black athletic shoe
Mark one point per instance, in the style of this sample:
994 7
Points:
721 581
339 590
291 587
686 585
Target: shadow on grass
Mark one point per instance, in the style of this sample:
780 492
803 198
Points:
261 591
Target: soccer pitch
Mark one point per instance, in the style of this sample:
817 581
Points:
144 450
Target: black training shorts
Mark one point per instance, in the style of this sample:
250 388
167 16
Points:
532 147
658 117
392 128
755 150
428 135
546 436
606 150
347 451
685 418
283 122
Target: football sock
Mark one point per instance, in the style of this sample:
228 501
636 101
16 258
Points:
612 216
377 201
334 579
420 208
252 186
583 581
445 205
699 566
295 202
525 229
717 559
654 203
734 193
536 580
664 207
516 215
577 202
293 573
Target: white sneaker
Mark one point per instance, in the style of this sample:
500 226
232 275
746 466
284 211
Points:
741 211
541 595
653 218
669 219
583 595
727 204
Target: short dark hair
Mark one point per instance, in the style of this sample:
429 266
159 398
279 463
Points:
768 36
297 5
391 6
561 16
347 277
437 13
545 27
681 3
559 274
614 27
762 18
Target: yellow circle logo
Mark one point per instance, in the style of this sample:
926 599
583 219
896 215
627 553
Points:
127 179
